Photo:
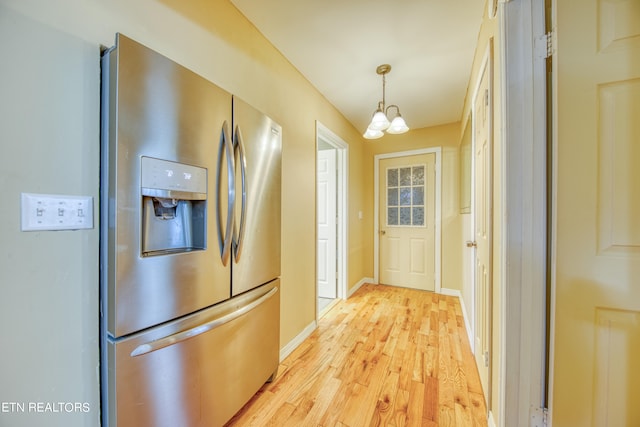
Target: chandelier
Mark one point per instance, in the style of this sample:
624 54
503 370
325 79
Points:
380 121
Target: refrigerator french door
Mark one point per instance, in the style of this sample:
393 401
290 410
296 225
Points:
190 244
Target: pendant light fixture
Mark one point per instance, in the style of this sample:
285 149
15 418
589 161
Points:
380 121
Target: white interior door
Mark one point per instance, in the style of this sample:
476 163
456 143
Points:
327 228
596 361
482 211
407 221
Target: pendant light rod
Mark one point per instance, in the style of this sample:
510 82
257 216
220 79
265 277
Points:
382 70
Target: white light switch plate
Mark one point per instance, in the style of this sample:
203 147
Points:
56 212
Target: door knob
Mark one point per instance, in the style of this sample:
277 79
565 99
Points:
471 244
383 232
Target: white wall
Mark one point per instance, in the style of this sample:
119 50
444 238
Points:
49 143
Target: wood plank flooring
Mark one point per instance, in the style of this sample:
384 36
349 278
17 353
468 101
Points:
387 356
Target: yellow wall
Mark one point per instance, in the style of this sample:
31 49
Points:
213 39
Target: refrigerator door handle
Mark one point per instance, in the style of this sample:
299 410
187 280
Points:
226 146
238 146
200 329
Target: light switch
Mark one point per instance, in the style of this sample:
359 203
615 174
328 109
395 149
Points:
56 212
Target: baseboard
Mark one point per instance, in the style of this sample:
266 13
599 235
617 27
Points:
465 315
362 281
299 339
450 292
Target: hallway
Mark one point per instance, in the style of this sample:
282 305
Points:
386 356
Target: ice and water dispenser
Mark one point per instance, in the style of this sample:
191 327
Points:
174 202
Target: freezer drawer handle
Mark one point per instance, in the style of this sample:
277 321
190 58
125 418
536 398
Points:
200 329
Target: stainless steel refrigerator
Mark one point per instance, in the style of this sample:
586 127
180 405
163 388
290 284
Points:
190 244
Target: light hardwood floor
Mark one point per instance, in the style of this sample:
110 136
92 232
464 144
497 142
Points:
387 356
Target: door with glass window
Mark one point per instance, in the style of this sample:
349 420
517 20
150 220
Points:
407 221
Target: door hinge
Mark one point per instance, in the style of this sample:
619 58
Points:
539 417
545 45
486 359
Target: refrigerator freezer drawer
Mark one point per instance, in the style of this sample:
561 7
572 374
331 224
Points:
199 370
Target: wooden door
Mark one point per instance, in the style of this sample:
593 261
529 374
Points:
482 211
327 225
596 343
407 221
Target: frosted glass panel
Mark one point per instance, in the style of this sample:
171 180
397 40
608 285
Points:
405 216
392 177
406 196
392 197
418 196
418 175
392 216
405 176
418 216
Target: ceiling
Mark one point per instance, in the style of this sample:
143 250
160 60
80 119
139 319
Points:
337 45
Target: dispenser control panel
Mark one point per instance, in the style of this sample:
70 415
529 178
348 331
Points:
172 176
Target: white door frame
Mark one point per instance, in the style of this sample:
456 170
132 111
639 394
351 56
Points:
523 252
438 210
342 163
